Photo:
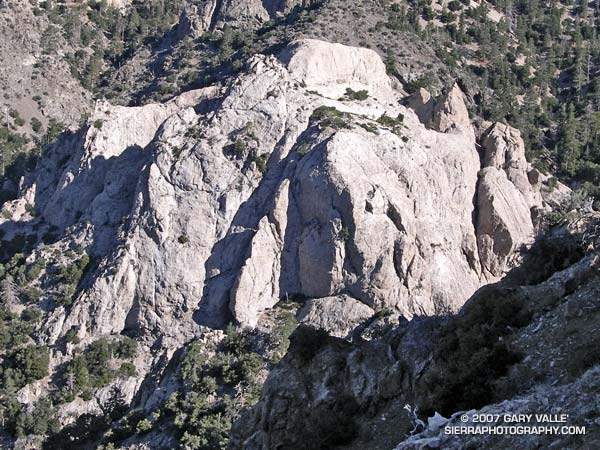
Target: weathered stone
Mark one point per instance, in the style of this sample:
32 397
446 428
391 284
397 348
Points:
337 315
219 203
450 111
504 149
504 223
422 104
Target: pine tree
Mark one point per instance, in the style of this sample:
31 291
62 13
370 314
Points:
569 149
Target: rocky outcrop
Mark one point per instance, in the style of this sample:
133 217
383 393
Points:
504 149
338 316
199 16
311 63
346 210
504 221
218 204
450 111
196 18
510 197
119 3
377 393
572 397
256 287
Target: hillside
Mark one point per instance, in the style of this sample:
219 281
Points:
273 225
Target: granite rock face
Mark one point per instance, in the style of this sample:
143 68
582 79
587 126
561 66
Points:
450 111
504 220
218 204
336 315
504 149
225 200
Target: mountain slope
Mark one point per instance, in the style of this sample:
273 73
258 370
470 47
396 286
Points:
521 346
297 179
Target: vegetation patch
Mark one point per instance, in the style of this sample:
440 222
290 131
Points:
330 117
351 94
216 385
394 124
98 365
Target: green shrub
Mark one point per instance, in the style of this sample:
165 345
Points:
204 409
454 5
330 117
261 162
394 124
33 272
283 328
40 420
304 149
211 433
31 314
471 354
143 426
239 146
355 95
93 369
30 363
36 125
70 277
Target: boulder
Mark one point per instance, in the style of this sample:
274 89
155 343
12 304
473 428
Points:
504 149
337 315
330 69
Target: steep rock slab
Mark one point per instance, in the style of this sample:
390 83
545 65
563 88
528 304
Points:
450 112
370 208
256 287
504 149
504 221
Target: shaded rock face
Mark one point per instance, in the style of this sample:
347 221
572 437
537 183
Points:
355 392
329 383
422 104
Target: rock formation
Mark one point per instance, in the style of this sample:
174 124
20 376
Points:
225 200
329 391
336 315
199 16
355 211
450 111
